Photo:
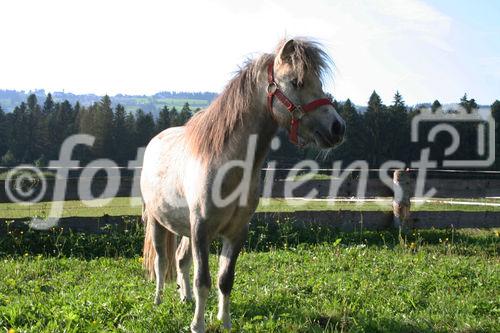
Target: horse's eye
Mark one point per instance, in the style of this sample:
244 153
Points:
295 83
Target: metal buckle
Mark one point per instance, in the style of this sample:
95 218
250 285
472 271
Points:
272 87
297 112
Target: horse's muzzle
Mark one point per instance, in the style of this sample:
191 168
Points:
337 132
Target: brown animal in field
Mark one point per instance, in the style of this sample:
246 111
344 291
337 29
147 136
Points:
401 203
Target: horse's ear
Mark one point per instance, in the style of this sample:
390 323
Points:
286 51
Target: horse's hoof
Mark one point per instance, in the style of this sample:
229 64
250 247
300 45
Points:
227 325
226 321
198 328
186 298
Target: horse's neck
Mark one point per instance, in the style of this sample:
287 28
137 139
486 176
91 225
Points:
257 122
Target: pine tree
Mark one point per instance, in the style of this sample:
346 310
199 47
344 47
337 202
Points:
398 101
32 102
19 129
397 130
353 147
121 137
61 124
174 118
467 133
473 105
130 126
436 106
145 128
77 107
374 121
336 105
375 103
185 114
37 131
164 121
85 125
103 146
48 105
469 105
97 120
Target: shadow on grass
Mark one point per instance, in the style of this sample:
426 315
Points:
274 312
126 239
267 236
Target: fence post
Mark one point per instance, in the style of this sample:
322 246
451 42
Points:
401 200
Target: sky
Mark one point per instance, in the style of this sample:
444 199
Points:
425 49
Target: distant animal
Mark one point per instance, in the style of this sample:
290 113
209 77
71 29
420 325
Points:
182 167
401 203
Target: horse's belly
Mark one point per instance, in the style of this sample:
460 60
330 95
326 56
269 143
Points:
170 207
175 219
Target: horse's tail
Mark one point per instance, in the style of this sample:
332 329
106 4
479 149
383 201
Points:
149 252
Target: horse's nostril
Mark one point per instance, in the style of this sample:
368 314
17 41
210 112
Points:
338 128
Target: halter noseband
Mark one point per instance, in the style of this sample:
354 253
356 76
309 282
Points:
297 111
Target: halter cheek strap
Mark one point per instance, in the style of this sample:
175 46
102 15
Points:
297 111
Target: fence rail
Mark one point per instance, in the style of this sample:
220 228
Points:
445 188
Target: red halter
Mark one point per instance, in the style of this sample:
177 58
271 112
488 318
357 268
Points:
297 111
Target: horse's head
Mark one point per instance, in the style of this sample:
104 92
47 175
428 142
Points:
296 96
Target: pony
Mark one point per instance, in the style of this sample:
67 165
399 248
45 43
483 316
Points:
201 181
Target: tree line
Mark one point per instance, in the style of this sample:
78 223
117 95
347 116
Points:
383 132
33 133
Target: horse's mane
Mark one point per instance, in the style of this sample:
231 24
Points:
209 130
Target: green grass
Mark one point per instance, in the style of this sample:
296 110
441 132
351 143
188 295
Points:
117 207
315 176
122 206
46 174
432 281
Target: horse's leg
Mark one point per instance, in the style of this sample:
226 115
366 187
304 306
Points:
227 262
200 248
184 260
159 236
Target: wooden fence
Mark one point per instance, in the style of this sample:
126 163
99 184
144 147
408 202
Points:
446 187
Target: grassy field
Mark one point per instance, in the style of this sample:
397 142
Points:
193 103
123 206
432 281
